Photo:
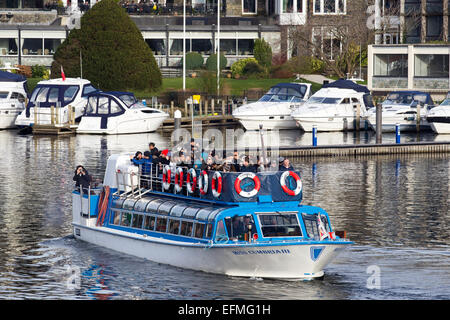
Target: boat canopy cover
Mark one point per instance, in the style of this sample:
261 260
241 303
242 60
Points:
420 96
11 77
295 86
346 84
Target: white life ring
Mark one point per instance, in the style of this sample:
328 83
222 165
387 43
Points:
290 192
203 183
216 190
247 194
166 177
190 186
178 179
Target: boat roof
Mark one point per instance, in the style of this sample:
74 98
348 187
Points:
68 81
347 84
11 77
428 99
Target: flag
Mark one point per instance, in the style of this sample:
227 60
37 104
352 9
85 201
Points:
63 76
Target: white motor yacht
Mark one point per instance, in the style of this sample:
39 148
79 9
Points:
118 113
400 107
334 107
273 110
57 93
439 117
13 94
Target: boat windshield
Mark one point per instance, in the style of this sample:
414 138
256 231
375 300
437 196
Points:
446 102
324 100
404 98
284 94
4 94
128 99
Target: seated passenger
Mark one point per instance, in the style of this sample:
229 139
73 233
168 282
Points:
82 178
237 229
285 165
247 167
249 226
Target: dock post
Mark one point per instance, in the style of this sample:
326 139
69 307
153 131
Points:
314 135
206 107
358 116
212 106
36 109
171 109
418 117
52 114
379 111
345 125
397 133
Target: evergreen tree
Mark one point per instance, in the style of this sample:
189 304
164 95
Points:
115 55
263 53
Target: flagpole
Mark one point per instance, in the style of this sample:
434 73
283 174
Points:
184 45
218 46
81 65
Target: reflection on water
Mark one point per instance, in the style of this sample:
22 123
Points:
395 208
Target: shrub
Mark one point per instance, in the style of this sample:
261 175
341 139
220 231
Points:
238 67
211 62
38 71
115 55
194 60
263 53
253 69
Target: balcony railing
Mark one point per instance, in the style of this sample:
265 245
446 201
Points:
172 10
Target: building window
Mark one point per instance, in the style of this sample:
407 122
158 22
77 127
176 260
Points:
390 65
8 46
431 65
228 46
291 6
326 39
50 46
434 27
157 45
329 6
32 47
249 6
245 46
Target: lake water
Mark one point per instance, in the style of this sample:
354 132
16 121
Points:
395 208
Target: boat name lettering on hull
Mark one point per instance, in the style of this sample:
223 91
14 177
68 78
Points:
272 251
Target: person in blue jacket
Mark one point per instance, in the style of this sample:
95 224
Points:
144 161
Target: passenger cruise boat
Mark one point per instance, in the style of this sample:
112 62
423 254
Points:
439 117
118 113
237 224
400 107
334 107
59 94
13 95
273 110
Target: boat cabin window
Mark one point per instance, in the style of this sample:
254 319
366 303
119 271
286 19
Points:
174 226
125 219
311 225
345 101
209 229
221 232
279 225
42 95
53 95
115 108
199 229
115 217
186 228
161 224
70 93
3 94
239 226
153 205
137 221
149 223
88 89
355 100
18 96
103 104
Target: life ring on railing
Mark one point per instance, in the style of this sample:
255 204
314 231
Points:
102 205
216 191
291 192
166 177
247 194
178 179
203 182
190 186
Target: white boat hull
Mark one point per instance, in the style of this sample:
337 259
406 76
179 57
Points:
8 118
388 124
328 123
290 262
283 122
119 125
440 127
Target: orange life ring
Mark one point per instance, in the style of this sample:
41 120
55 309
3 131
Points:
216 191
290 192
247 194
191 186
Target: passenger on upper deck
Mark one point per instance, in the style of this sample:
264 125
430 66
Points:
235 165
285 165
247 167
82 178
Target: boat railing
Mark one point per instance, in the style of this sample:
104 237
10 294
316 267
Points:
53 115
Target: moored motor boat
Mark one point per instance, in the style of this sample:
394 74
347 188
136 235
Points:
402 108
338 106
273 110
13 94
439 117
238 224
118 113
